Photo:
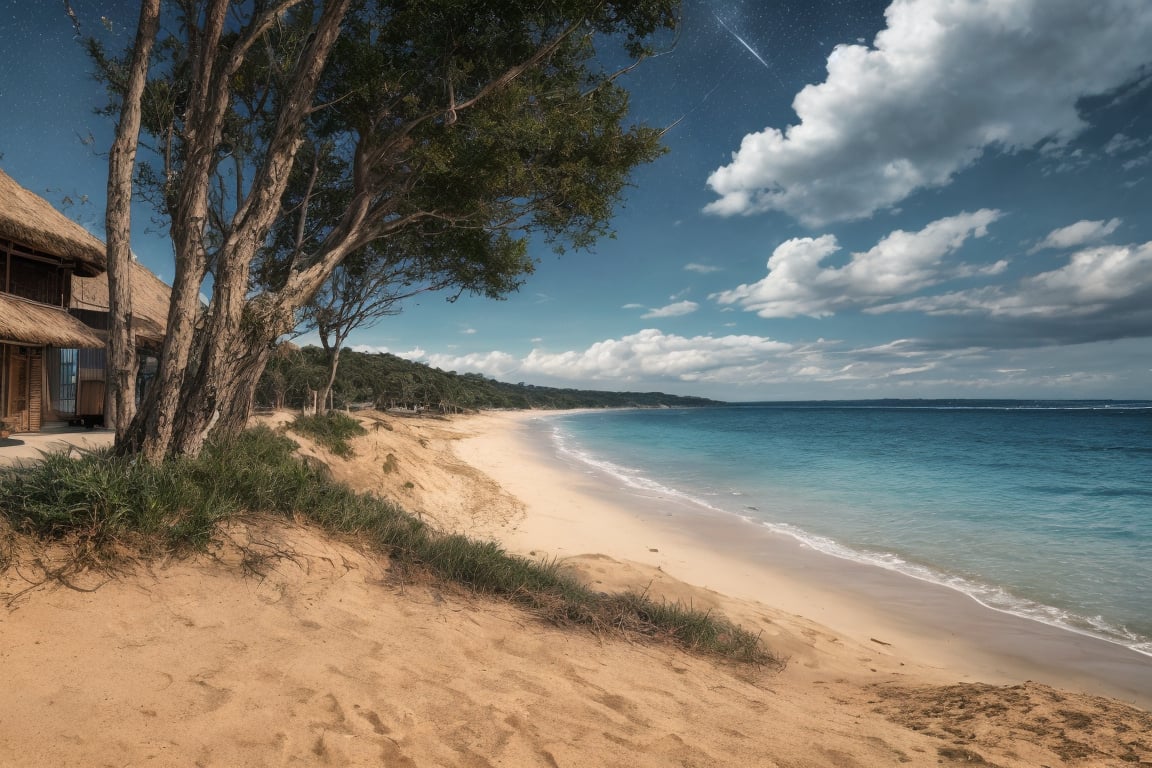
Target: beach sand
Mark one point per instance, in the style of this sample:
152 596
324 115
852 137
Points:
284 647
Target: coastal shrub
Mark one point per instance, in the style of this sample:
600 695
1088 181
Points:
333 430
694 628
104 500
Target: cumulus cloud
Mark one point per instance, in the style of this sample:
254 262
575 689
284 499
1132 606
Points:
497 364
1075 235
919 106
1103 292
646 355
744 363
676 309
652 358
797 283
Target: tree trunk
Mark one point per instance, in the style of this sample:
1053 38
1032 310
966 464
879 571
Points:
217 397
333 365
151 431
229 346
120 405
326 388
225 414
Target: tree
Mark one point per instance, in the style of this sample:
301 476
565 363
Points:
120 405
370 283
355 296
457 127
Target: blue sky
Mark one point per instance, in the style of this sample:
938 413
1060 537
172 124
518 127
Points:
921 198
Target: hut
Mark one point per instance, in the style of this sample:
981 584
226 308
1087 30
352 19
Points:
40 251
150 300
53 313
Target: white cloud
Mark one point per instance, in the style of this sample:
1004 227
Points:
416 353
945 82
497 364
798 284
1137 162
916 367
703 269
468 331
677 309
646 355
633 306
1103 280
1121 144
1075 235
757 366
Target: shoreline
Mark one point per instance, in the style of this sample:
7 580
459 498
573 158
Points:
943 634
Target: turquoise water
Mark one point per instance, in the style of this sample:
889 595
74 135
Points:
1042 509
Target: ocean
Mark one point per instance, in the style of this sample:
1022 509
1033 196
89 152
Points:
1040 509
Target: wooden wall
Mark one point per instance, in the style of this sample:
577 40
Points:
35 388
22 370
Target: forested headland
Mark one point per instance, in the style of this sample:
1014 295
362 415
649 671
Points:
386 381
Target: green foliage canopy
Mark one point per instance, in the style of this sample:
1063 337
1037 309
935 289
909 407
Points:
443 132
289 135
386 380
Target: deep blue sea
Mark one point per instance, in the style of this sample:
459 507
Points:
1043 509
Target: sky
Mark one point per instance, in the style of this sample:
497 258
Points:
861 199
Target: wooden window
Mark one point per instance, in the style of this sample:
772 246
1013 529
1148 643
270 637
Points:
34 280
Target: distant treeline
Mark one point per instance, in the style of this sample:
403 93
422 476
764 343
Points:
387 381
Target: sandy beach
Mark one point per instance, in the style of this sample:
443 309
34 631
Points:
285 648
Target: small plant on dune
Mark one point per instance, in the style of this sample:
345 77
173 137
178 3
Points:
102 501
332 430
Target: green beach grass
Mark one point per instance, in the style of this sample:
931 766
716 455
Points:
101 503
332 430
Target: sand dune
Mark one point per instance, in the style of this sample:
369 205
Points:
283 647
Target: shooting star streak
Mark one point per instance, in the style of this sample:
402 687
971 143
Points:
751 50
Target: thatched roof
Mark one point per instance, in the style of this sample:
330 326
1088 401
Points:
28 322
150 300
30 219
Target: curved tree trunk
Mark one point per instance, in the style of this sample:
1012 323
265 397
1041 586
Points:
224 413
333 365
238 343
120 406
